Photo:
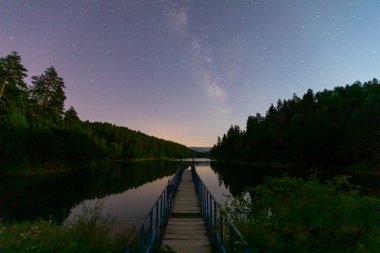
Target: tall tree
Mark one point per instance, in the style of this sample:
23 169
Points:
13 91
48 97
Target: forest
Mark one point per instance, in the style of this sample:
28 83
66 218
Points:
37 133
314 138
337 128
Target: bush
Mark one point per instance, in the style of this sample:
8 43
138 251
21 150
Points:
89 231
296 215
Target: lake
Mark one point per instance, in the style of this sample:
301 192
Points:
126 191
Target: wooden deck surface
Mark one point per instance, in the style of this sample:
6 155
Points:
186 232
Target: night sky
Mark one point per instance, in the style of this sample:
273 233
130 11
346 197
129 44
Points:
187 70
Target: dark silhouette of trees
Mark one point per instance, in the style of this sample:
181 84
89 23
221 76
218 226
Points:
36 129
13 91
71 117
332 127
47 97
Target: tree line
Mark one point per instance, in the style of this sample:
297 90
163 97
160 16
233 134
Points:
338 127
36 128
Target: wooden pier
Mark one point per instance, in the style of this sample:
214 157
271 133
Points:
186 231
187 219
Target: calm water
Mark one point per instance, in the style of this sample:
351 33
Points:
131 206
127 192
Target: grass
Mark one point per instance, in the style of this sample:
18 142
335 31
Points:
89 231
304 215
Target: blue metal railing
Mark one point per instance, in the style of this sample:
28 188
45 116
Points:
153 226
222 234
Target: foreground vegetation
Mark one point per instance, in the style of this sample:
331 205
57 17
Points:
89 232
338 127
37 132
296 215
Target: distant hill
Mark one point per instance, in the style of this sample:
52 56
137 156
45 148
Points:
201 149
201 152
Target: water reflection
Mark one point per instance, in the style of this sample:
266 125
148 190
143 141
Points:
229 179
129 207
213 181
127 191
238 178
53 196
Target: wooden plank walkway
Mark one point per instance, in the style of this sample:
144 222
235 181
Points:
186 232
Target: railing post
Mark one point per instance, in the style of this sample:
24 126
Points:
207 210
164 204
161 216
157 217
206 203
210 216
215 219
201 200
167 207
170 202
150 226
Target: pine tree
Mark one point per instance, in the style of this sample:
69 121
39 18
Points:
13 91
71 117
48 97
